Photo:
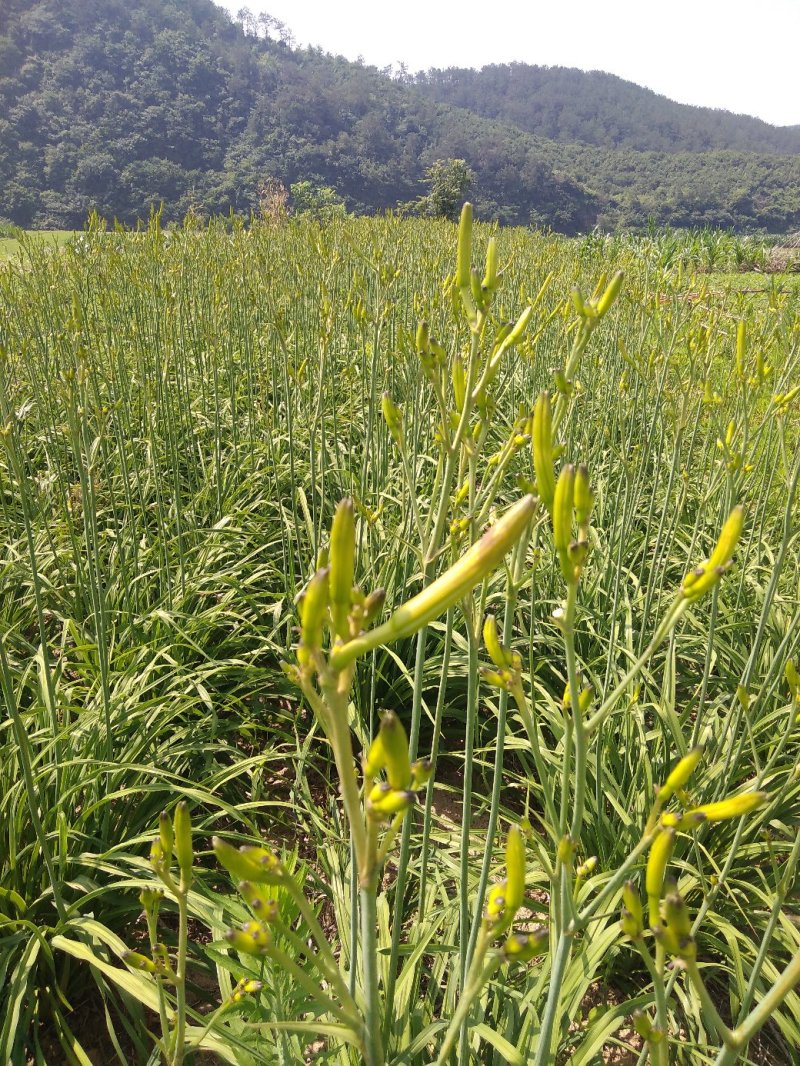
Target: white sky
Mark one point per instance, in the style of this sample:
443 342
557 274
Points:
740 55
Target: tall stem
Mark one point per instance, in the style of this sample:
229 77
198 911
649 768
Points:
373 1029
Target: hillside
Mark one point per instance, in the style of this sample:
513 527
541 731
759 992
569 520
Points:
114 106
575 106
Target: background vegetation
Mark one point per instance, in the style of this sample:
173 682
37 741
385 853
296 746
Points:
113 107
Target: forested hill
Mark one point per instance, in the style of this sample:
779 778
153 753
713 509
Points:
595 108
115 105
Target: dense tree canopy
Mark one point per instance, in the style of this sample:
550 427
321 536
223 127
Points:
115 106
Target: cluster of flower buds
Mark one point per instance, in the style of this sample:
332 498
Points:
389 754
782 400
331 600
568 499
476 563
504 900
245 987
703 577
476 293
507 672
174 841
572 500
585 697
734 459
252 867
431 354
666 916
591 311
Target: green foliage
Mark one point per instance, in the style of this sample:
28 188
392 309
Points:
117 108
450 184
317 201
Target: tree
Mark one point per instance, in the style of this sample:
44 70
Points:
450 181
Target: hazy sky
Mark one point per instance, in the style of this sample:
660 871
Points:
742 56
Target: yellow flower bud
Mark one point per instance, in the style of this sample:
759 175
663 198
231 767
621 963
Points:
312 615
395 751
562 520
479 561
375 759
389 801
342 564
496 902
632 913
679 926
542 449
732 807
490 273
609 296
491 639
515 871
680 773
421 773
660 852
698 581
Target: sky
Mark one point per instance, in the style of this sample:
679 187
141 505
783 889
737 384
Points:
740 56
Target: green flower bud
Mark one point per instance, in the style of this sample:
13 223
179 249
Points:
165 836
183 842
395 751
249 863
522 947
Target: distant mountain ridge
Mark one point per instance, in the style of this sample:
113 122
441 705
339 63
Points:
575 106
116 105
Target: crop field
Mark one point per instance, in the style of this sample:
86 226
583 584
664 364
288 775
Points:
399 664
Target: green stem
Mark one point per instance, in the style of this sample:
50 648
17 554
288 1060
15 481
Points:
659 1049
744 1033
560 959
373 1030
180 976
721 1030
307 982
480 973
